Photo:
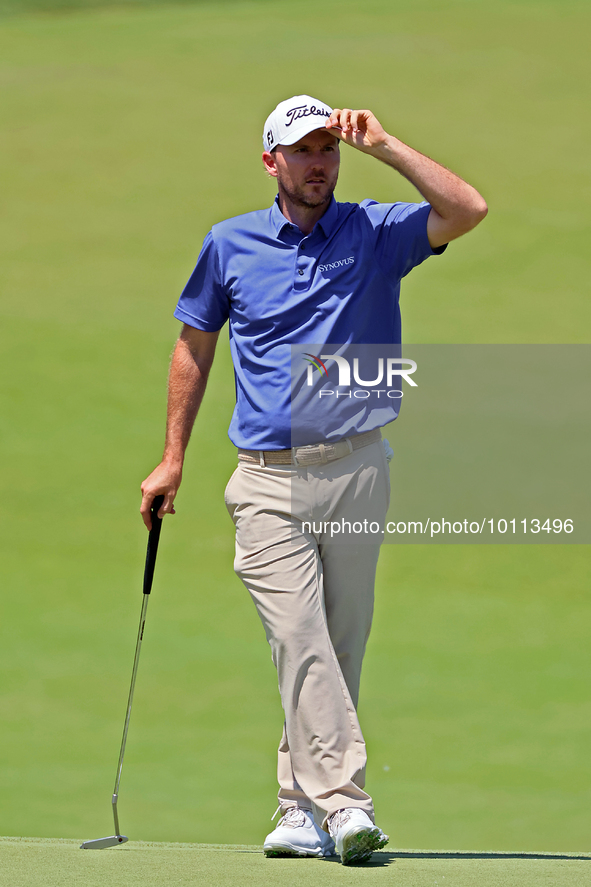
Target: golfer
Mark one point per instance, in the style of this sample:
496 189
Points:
308 270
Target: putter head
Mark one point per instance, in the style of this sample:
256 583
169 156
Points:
103 843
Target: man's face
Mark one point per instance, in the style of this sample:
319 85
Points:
306 172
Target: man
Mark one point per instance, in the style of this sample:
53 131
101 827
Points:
278 275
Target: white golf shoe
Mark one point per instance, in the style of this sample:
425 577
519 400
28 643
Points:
298 835
355 835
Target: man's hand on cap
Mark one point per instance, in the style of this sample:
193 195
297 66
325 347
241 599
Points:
361 129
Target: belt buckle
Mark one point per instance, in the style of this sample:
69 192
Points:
337 450
325 452
309 448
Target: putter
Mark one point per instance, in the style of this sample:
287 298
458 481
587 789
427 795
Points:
154 536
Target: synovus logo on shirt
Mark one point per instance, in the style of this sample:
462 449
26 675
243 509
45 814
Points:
330 266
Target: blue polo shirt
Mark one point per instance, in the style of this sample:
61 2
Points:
279 287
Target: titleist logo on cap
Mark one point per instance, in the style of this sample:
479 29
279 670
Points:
293 119
304 111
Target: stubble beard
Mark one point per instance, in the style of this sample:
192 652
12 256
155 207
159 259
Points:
298 197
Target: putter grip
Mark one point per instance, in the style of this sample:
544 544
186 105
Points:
153 539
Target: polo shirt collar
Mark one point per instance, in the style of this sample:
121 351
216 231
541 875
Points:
326 223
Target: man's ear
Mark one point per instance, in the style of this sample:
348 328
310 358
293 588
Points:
269 163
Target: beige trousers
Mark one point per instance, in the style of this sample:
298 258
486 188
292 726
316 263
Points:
313 589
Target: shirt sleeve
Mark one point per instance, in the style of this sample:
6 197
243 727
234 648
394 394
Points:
204 303
400 231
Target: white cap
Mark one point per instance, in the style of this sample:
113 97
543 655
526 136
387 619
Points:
293 119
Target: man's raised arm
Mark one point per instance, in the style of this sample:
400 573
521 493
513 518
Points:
191 362
456 207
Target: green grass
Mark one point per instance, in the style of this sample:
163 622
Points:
35 863
60 7
125 134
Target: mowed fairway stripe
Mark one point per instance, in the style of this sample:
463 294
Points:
34 862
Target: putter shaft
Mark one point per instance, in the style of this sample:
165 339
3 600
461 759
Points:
153 539
136 659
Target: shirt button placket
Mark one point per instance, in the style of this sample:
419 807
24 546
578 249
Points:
300 282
